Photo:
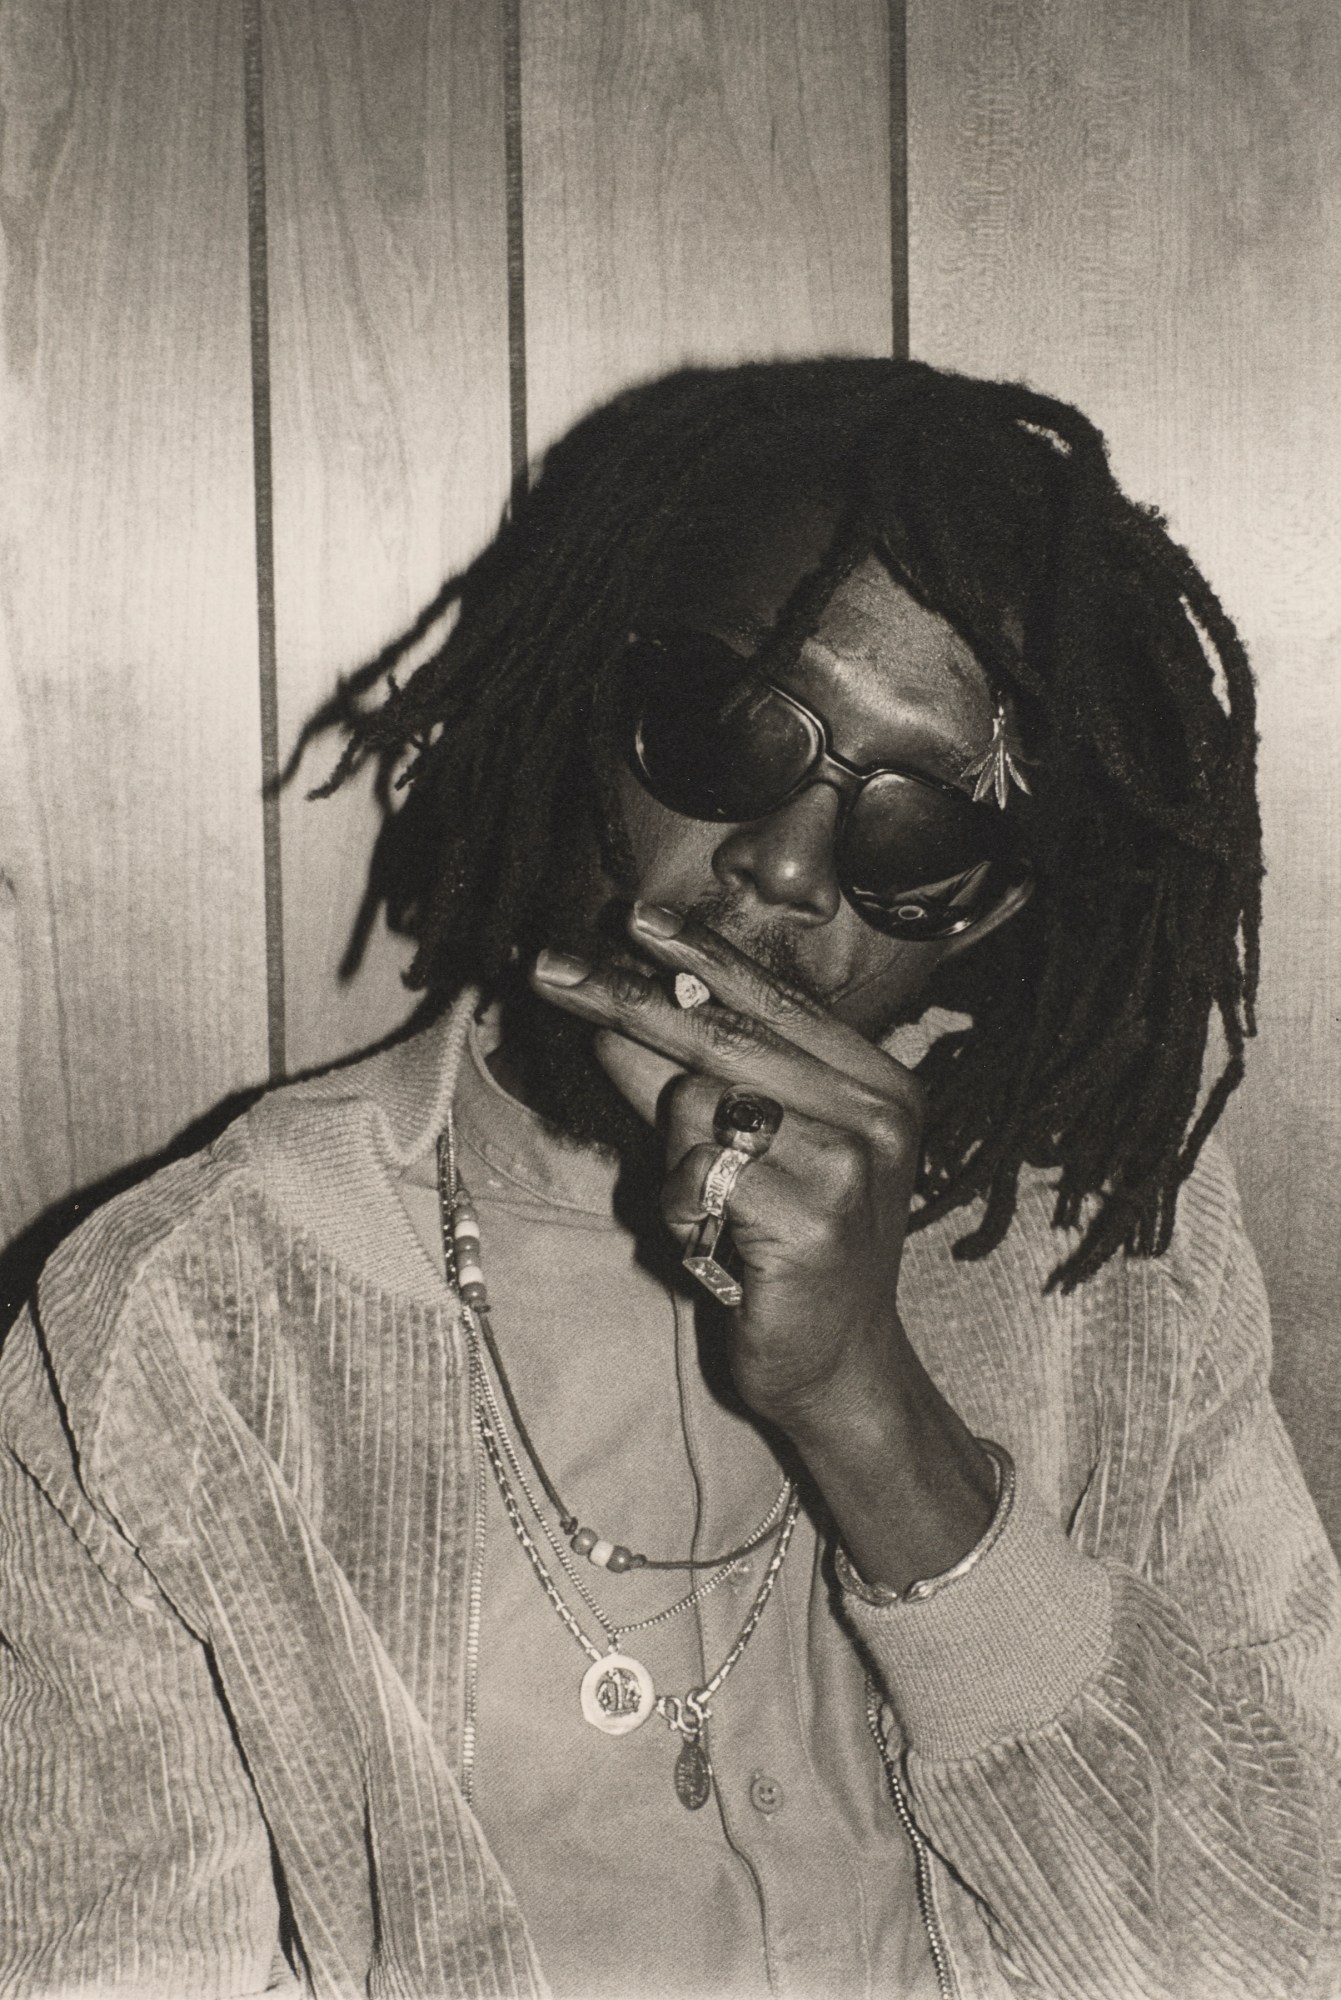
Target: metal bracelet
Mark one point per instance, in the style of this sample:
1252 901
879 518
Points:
882 1595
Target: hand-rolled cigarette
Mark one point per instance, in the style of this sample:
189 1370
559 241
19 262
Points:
690 990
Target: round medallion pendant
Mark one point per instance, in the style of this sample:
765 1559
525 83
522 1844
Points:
617 1694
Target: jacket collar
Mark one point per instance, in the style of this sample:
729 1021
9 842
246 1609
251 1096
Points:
331 1149
408 1086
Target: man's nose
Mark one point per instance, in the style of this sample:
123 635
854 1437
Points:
787 859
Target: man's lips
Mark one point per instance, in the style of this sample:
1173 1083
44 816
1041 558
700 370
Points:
773 950
633 960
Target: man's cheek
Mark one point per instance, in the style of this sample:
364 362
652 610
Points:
884 985
638 1074
672 856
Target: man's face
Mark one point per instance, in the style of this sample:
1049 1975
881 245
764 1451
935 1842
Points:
896 685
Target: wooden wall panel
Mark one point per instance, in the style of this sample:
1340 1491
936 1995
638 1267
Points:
387 235
705 180
131 947
1133 203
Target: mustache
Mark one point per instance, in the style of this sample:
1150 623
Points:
769 943
773 946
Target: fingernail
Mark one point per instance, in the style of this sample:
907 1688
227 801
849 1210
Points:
560 968
659 921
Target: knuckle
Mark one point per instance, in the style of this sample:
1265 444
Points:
846 1170
728 1033
685 1109
682 1099
820 1237
628 989
891 1130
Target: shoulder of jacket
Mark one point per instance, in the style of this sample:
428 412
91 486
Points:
90 1284
1193 1321
1189 1273
1172 1300
95 1270
1207 1231
98 1266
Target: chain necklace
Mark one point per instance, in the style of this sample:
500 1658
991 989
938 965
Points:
617 1692
613 1632
461 1253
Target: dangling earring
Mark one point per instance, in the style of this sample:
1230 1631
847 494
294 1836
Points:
999 766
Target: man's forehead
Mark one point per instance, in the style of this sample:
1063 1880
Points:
872 618
887 672
742 562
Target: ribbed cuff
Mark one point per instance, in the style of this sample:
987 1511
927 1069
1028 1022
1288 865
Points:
998 1653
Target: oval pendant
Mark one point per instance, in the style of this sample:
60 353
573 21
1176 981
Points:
617 1694
693 1774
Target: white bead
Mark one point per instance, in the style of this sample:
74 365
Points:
601 1554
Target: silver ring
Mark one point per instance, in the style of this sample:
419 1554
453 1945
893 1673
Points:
720 1178
747 1122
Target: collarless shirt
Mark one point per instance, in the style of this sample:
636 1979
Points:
795 1877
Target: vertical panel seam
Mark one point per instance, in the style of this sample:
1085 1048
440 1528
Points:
263 479
898 178
516 258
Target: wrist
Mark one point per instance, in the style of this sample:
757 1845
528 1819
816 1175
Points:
854 1398
910 1489
882 1595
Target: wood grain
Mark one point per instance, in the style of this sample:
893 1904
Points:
1133 203
705 180
131 947
388 366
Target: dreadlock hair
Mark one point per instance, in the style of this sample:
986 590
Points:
996 507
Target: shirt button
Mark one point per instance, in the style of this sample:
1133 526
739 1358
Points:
766 1794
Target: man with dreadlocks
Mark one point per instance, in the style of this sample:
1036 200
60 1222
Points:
737 1459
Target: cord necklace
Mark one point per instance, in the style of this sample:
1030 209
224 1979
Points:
461 1251
617 1693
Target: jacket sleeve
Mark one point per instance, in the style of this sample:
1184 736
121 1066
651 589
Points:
1124 1739
133 1855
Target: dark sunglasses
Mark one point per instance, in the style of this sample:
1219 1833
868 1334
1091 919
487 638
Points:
712 739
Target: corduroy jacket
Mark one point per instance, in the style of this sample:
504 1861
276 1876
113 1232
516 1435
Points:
238 1495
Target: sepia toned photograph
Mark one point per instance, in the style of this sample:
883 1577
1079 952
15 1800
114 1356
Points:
670 1041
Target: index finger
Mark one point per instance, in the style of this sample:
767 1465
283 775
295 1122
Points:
741 983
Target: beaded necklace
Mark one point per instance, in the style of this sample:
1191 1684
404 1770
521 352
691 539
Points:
461 1252
617 1693
516 1473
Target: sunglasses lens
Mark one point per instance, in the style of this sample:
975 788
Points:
712 742
913 860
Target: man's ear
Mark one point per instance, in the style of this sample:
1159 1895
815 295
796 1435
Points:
1008 902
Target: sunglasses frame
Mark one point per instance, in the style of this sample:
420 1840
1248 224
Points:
930 911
